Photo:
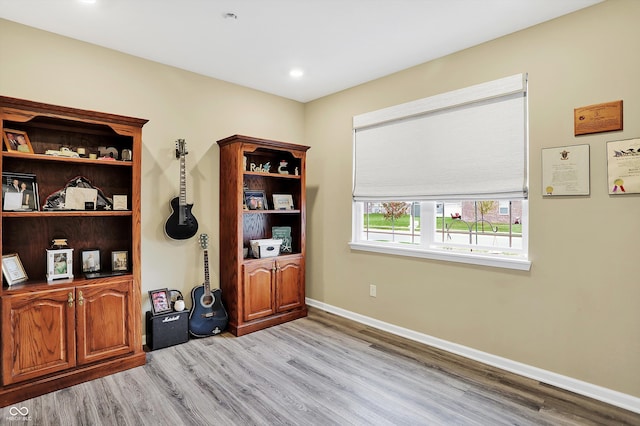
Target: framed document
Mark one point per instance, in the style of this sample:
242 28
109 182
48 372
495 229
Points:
12 269
623 166
565 170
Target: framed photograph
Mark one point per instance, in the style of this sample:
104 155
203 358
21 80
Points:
12 269
160 301
90 260
19 192
282 202
255 199
17 141
120 260
59 264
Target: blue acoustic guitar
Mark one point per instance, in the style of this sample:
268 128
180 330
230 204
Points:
207 316
182 224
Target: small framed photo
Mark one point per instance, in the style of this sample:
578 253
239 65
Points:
282 202
59 264
160 301
255 199
120 260
17 141
120 202
19 192
90 260
12 269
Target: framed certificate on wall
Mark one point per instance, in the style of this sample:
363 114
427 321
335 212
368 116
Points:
565 170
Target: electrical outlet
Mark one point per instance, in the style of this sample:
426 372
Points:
372 290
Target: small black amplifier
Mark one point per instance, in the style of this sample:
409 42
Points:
167 329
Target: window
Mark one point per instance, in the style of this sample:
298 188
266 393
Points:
446 177
504 208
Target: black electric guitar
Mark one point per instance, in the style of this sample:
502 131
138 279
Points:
182 224
208 316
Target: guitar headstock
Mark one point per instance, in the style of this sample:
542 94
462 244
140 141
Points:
181 148
204 241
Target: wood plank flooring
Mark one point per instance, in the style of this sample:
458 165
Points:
319 370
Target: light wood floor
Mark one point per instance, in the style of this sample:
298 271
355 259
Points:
320 370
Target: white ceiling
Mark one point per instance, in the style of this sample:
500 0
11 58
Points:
338 43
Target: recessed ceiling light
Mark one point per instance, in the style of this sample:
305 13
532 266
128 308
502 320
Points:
296 73
230 15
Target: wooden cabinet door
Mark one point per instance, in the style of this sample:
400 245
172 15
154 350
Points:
258 287
105 320
38 334
289 284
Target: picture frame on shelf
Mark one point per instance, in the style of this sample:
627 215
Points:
17 141
13 270
90 260
19 192
120 261
59 264
255 199
120 202
160 301
283 233
282 202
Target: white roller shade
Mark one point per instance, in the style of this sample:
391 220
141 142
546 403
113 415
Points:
465 144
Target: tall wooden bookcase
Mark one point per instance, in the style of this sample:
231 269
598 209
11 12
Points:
63 332
260 293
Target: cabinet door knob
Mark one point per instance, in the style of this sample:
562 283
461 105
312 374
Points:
80 298
70 299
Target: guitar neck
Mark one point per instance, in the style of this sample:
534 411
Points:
183 182
207 285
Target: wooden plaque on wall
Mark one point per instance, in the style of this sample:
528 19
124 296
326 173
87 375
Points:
597 118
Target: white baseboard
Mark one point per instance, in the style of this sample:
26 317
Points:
619 399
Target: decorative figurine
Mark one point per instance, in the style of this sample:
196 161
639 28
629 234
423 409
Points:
282 169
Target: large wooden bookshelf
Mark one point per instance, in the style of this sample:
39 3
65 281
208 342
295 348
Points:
260 293
63 332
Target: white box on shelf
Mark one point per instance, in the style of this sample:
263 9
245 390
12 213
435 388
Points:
265 248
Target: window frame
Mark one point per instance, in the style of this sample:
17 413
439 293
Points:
430 249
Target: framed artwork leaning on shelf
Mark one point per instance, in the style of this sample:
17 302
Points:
59 264
90 260
282 202
17 141
12 269
255 199
120 261
160 301
19 192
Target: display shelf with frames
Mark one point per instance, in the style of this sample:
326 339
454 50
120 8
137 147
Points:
29 233
259 293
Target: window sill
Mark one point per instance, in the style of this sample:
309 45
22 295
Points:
473 259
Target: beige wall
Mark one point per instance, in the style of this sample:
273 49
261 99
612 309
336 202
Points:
575 313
